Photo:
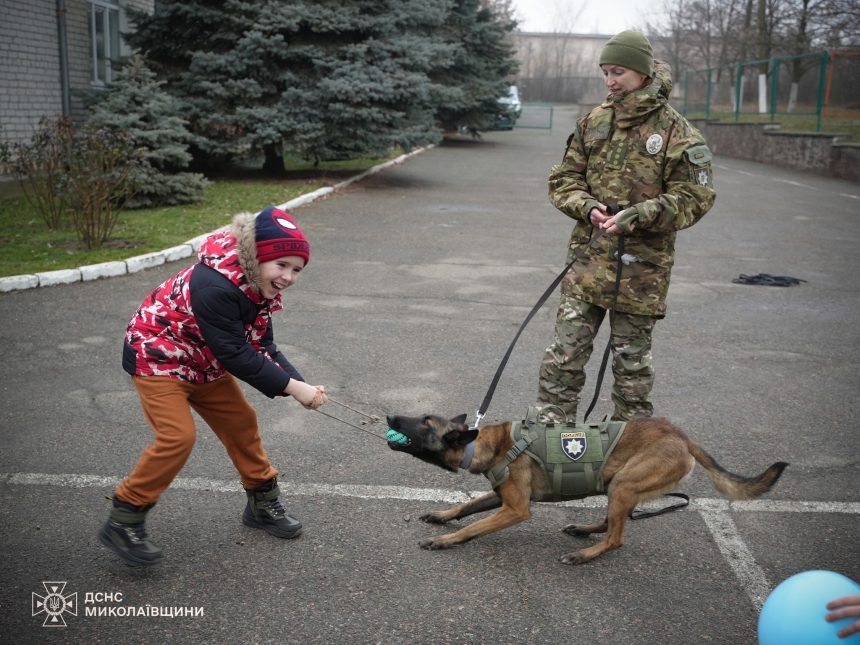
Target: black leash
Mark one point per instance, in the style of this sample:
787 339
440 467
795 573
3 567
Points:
641 515
613 210
611 322
768 280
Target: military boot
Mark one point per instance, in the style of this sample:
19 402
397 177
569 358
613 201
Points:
125 534
264 511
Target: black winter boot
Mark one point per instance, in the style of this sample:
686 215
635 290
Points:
125 534
264 511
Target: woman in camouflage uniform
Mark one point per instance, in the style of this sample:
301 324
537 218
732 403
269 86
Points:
636 151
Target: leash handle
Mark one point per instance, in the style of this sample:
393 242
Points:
482 410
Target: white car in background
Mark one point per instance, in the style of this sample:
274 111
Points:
512 100
514 109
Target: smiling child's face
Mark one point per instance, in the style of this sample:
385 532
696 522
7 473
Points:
277 275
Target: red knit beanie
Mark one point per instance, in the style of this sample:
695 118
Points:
277 235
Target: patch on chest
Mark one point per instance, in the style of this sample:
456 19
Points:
595 133
573 444
654 144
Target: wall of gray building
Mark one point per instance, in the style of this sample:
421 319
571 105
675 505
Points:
29 66
30 84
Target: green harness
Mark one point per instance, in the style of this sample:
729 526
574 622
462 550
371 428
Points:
572 455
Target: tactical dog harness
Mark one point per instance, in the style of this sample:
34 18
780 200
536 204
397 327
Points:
572 455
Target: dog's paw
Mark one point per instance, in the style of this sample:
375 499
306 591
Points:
573 558
432 518
574 530
433 544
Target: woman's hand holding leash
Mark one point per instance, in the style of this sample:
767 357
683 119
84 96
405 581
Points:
612 225
598 215
606 217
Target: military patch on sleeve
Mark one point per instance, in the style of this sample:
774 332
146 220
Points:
699 155
700 164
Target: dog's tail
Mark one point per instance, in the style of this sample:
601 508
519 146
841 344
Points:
731 485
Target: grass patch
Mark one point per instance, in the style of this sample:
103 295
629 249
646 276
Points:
293 164
29 246
795 122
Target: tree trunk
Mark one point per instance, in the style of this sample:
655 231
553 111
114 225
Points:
762 54
792 98
274 163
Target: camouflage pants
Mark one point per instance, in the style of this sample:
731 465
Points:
562 372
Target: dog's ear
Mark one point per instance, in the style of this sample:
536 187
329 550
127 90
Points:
456 438
459 419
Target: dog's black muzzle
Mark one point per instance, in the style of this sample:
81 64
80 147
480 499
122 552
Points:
414 445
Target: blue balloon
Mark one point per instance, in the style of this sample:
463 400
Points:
793 613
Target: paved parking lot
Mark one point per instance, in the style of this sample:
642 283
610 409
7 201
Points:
419 279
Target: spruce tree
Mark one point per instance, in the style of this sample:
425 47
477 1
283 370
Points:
321 79
482 68
134 103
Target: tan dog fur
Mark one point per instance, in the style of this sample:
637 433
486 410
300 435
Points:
651 458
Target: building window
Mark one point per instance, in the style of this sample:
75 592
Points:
104 39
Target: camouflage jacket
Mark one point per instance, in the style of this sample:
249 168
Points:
636 151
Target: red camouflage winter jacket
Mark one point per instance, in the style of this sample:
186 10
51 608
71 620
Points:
210 319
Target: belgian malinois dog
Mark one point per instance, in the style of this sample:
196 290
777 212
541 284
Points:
651 458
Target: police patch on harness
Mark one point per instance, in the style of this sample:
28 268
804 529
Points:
573 444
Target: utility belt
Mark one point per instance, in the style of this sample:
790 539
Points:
572 455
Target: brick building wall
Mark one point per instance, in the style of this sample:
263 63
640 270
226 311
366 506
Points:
30 85
29 65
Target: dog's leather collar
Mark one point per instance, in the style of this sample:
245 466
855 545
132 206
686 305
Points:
467 458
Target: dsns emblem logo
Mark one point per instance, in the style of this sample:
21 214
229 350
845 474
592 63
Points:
55 604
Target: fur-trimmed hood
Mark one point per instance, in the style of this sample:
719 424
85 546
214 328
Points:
233 253
244 230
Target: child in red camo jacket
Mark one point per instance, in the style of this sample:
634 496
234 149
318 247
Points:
185 347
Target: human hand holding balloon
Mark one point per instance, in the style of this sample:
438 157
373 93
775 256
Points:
847 607
795 613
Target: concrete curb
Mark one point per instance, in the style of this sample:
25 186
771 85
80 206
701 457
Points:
189 248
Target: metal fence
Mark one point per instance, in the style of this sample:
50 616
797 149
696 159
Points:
787 85
535 115
562 89
842 88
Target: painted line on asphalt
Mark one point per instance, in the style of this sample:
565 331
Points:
703 504
735 551
714 511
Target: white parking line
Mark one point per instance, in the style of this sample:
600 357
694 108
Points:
731 545
714 511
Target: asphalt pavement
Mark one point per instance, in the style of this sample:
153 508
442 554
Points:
419 278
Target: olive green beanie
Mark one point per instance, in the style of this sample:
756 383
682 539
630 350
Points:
629 49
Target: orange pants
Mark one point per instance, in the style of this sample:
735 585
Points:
167 405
